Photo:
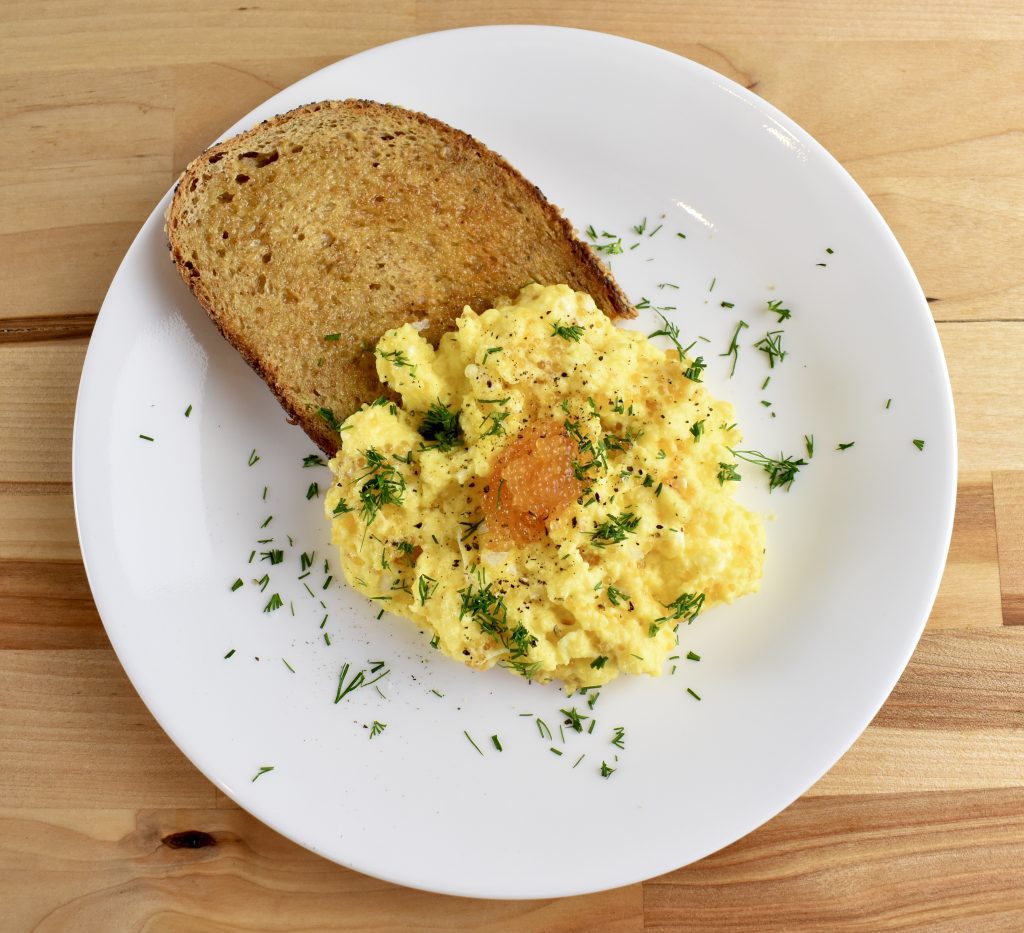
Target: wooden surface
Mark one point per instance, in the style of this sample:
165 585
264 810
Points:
920 826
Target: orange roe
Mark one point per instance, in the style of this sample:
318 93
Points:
531 481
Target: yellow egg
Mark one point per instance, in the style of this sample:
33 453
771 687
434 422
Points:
647 537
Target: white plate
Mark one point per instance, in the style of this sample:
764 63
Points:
613 131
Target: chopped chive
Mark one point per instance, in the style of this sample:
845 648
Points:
694 695
237 584
497 744
286 664
692 656
254 458
829 250
918 443
188 411
809 443
332 336
327 639
606 771
727 304
845 446
264 770
267 521
555 751
273 604
888 402
471 742
145 437
578 760
228 655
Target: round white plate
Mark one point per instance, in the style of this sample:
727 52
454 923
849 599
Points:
614 132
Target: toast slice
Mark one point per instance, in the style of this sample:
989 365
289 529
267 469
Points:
309 236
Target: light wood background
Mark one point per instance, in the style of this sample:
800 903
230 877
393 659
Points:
920 826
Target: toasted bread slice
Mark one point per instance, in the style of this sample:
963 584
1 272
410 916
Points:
309 236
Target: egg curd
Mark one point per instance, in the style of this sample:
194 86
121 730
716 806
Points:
553 494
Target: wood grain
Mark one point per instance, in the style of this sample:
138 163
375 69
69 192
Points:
919 827
241 873
1008 489
950 862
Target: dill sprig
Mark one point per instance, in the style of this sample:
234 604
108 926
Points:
613 530
734 347
670 330
384 485
771 343
571 332
685 606
441 424
399 359
781 472
727 474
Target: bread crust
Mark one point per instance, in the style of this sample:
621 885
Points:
587 267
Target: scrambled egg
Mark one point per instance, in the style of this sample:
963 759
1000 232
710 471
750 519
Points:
553 494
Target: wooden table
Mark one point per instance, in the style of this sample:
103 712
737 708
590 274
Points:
920 826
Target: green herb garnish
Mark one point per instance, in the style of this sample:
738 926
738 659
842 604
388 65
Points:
573 719
685 606
734 347
771 344
441 424
571 332
399 359
781 472
614 595
273 604
383 485
614 529
327 416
